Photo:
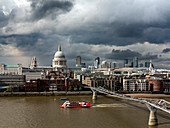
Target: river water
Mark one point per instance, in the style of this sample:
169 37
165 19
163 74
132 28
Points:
44 112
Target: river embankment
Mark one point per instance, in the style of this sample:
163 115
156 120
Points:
144 95
64 93
54 93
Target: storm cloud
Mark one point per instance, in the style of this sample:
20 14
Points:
110 29
129 54
120 22
44 8
3 19
166 50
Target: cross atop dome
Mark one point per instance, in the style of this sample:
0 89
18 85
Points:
59 47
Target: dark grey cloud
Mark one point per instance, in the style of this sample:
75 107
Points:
29 45
25 40
149 57
122 34
166 50
3 19
122 54
123 23
39 26
43 8
162 63
129 54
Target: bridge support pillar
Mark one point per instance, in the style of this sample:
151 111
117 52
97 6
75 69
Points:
153 119
94 97
152 116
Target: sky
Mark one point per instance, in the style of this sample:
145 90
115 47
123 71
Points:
110 29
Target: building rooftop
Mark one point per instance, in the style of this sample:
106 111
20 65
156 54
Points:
11 66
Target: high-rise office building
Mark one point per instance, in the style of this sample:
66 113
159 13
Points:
78 61
114 65
125 62
97 62
135 62
147 64
141 65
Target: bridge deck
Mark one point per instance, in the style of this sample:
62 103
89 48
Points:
156 103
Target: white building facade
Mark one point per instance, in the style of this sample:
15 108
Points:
135 85
11 69
59 63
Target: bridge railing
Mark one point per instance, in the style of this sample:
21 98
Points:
159 104
156 103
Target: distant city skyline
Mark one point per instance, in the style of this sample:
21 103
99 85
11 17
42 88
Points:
110 29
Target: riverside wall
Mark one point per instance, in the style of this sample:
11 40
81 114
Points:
54 93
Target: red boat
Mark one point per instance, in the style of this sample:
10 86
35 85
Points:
83 104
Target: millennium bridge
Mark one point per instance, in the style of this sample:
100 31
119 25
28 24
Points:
152 104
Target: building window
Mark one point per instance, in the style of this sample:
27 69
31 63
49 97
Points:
61 62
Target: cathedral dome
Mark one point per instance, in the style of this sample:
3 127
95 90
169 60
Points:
59 60
59 53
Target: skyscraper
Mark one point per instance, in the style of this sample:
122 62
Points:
147 64
97 62
135 62
125 62
78 61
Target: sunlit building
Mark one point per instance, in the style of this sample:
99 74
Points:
138 84
8 69
59 63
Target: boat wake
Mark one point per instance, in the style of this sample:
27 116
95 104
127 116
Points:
109 105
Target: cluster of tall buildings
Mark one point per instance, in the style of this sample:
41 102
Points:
127 63
131 77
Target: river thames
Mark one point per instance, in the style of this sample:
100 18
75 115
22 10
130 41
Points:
45 112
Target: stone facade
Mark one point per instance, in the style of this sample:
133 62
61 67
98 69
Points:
11 69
